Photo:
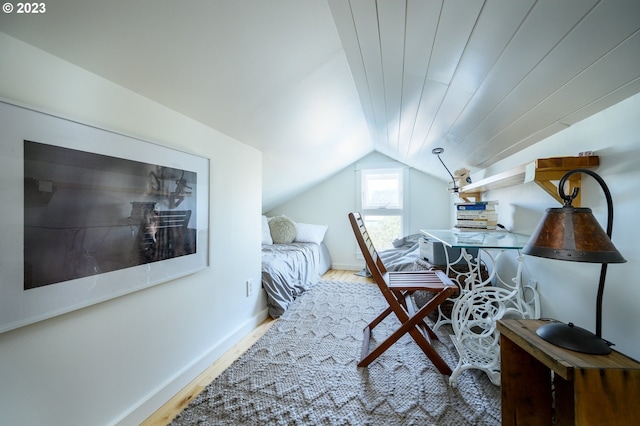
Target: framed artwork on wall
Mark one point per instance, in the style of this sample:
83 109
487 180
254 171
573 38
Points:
89 215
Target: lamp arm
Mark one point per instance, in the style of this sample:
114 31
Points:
607 194
599 297
455 187
603 270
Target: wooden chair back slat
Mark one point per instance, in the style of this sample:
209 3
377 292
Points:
397 289
371 257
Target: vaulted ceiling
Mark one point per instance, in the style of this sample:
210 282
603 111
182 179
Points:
317 84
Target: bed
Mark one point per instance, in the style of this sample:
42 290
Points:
401 257
291 263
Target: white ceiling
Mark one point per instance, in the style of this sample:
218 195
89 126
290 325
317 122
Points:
315 85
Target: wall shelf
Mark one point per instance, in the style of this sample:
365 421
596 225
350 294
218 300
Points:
543 171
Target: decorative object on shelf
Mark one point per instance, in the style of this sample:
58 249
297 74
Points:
463 177
573 234
438 151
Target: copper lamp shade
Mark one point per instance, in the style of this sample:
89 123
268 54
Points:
573 234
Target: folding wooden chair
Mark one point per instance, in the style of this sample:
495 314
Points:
397 288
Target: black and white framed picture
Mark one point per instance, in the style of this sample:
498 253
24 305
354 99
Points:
89 215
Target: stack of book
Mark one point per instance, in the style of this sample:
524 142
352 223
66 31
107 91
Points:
477 215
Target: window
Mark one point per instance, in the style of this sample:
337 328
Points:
381 204
382 189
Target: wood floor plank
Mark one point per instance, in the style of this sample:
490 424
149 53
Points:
348 276
165 414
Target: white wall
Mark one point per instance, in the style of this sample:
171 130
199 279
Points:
120 360
568 290
329 203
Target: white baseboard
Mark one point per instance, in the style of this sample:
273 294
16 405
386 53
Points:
347 266
159 396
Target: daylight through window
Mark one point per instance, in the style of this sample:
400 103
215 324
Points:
382 205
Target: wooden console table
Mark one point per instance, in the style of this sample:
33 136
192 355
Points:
588 389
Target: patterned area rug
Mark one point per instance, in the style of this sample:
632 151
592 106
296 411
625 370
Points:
303 372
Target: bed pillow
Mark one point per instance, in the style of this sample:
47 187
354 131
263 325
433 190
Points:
283 230
266 231
307 233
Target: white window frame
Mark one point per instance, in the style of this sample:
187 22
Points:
401 210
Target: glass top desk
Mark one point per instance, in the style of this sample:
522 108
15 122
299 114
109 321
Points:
477 239
476 268
478 262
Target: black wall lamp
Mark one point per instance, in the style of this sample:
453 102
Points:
573 234
438 151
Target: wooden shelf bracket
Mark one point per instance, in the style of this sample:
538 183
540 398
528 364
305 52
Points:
544 171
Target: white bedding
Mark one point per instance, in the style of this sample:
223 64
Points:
290 269
400 258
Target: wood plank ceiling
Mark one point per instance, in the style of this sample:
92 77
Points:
484 79
317 84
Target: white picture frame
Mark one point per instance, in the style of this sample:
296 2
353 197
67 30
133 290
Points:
33 290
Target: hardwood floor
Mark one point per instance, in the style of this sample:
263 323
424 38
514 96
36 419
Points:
175 405
347 276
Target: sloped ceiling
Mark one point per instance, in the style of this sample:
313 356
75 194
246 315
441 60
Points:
315 85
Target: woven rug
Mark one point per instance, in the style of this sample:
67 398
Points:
303 372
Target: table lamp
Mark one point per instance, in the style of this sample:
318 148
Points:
573 234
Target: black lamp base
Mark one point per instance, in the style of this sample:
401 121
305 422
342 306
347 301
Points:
575 338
